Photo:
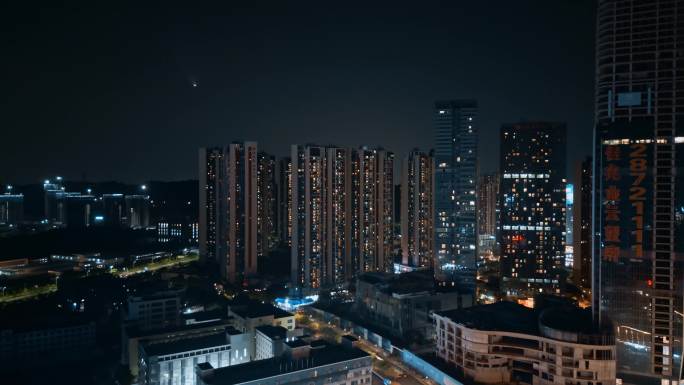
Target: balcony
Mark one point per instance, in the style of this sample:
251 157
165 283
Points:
569 363
507 351
585 375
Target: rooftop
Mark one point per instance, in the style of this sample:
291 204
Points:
406 283
273 332
155 291
206 315
255 370
255 309
133 331
186 344
511 317
296 343
499 316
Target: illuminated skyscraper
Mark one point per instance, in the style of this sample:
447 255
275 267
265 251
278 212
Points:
240 261
285 200
228 209
638 221
267 220
488 209
336 214
372 210
455 222
417 210
532 201
211 163
342 202
309 168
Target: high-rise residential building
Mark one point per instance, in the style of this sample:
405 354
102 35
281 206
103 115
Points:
321 225
228 209
285 200
532 201
114 209
267 202
336 214
639 182
488 206
11 209
455 124
342 210
240 198
211 163
307 222
372 210
138 211
582 224
384 207
418 208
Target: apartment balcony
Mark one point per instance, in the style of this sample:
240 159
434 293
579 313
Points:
569 363
581 375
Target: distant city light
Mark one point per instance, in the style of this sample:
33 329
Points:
89 190
143 187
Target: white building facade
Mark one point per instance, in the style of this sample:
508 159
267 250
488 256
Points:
548 356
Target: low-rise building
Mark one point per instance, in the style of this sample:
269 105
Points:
182 231
133 337
250 314
315 364
173 361
155 309
505 343
402 304
269 341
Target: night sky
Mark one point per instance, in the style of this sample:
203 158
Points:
106 92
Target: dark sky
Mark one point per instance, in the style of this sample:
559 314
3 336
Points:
106 91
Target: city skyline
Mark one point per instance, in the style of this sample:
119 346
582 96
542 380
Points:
348 194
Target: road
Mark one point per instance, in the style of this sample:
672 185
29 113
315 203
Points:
177 260
29 293
384 364
36 291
